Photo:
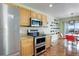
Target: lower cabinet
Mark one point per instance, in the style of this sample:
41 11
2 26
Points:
48 41
26 46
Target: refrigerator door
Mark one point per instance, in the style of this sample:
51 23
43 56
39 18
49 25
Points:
1 31
13 30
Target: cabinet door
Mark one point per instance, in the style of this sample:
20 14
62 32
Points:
44 20
33 15
26 46
39 16
48 41
24 17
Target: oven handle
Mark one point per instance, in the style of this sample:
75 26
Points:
39 46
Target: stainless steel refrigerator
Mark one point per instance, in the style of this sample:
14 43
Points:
9 30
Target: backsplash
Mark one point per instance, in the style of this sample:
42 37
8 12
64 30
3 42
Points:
23 30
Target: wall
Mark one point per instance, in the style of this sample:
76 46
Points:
61 26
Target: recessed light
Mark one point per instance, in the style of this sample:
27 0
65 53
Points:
50 5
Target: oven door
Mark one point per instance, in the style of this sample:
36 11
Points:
40 49
39 40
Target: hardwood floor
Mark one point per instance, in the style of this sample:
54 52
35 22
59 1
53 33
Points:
55 50
59 50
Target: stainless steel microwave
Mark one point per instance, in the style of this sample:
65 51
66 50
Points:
36 22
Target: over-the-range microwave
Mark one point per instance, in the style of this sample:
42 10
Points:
35 22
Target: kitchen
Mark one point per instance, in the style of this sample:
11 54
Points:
26 30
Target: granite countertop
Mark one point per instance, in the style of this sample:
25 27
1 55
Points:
24 35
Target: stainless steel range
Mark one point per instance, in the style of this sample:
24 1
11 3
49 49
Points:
39 41
39 44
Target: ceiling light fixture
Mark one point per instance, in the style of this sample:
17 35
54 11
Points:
50 5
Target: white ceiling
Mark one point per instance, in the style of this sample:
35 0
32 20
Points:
58 9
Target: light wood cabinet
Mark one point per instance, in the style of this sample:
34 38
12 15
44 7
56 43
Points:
48 41
44 20
26 45
24 17
33 15
36 15
39 16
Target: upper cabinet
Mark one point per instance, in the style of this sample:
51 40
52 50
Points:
33 15
44 20
36 15
39 16
24 17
